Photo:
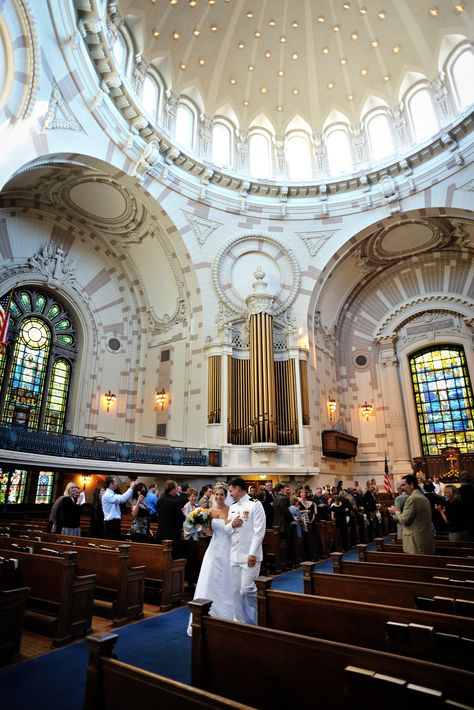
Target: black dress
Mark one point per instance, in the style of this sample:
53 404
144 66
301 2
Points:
170 521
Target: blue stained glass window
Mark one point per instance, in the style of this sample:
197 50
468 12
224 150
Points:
445 407
44 490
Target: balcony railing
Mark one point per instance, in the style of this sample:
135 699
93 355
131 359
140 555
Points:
82 447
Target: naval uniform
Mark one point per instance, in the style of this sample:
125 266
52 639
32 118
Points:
245 540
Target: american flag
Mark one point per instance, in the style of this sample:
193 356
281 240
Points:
387 481
4 320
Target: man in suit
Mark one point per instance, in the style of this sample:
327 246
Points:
205 496
247 529
170 517
417 533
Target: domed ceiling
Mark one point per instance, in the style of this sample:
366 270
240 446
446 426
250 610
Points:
289 58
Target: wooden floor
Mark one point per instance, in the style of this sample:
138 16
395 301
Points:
33 644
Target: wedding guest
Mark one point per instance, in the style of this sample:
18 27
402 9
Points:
191 532
170 517
205 496
140 527
111 502
97 514
69 511
151 499
417 534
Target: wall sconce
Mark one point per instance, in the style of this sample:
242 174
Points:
367 410
110 398
86 479
332 406
160 398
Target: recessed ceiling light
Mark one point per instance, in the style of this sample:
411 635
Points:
459 7
211 2
355 35
156 33
295 55
321 19
173 2
192 3
364 71
196 33
272 23
295 92
350 97
343 61
280 108
386 77
202 61
175 35
381 15
241 45
249 14
233 81
251 67
396 49
283 39
433 12
263 89
363 11
268 54
336 28
347 6
331 85
374 43
183 66
295 24
325 50
245 103
214 28
280 72
258 34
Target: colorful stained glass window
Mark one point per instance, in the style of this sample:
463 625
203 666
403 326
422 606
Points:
444 399
36 370
4 480
57 396
16 491
44 490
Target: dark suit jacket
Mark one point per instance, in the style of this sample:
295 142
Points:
170 517
282 516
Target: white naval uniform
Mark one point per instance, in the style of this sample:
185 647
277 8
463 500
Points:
246 540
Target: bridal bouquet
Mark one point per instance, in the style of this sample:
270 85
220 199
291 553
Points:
198 516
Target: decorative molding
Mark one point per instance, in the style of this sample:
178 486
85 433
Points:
434 306
202 228
316 240
52 262
59 115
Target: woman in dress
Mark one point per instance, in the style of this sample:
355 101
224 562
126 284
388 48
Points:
214 577
69 511
97 514
140 528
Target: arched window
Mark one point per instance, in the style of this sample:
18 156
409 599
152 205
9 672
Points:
260 157
221 144
443 398
339 153
462 72
422 114
380 136
119 50
185 126
298 157
36 369
151 97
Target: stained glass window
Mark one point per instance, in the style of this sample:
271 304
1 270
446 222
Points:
44 490
443 398
4 478
16 491
36 370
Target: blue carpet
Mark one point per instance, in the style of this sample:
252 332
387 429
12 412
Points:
293 581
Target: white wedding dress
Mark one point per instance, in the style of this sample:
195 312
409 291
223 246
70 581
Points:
214 577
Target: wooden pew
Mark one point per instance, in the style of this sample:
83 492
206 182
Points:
163 574
440 539
445 598
456 549
441 638
112 684
12 613
219 645
444 575
56 592
116 581
326 534
402 558
275 551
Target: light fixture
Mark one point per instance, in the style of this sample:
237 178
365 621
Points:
160 398
86 479
110 398
366 410
332 406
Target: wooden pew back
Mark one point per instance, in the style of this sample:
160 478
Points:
394 571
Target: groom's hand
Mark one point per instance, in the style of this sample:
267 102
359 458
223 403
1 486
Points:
251 560
237 522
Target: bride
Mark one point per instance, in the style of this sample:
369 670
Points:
214 577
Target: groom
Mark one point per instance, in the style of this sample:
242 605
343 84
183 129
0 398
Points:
247 527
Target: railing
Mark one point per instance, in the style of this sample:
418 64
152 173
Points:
82 447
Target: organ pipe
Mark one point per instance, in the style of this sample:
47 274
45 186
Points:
214 390
304 391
